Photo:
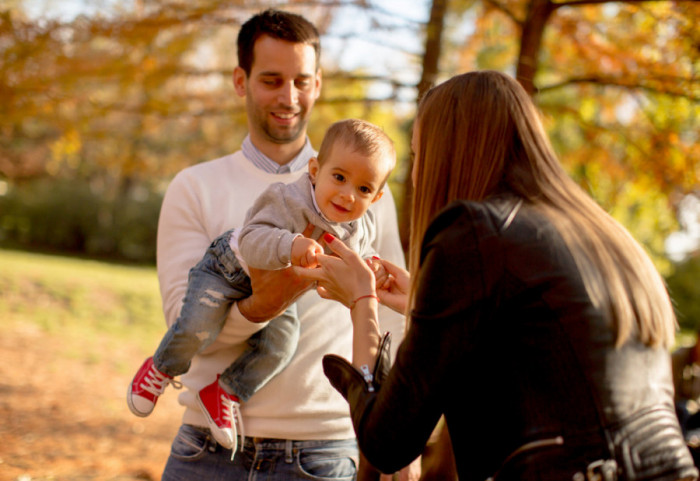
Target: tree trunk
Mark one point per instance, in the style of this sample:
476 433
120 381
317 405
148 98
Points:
431 60
530 42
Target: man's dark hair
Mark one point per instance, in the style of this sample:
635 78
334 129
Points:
277 24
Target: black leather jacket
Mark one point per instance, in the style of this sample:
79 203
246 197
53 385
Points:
506 344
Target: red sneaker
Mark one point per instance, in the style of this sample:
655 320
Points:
223 412
148 384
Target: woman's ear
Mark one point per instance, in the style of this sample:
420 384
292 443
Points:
314 167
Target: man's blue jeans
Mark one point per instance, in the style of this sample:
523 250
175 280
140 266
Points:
195 455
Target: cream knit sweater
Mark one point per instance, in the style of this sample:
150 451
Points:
204 201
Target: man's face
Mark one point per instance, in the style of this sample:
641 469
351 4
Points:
280 91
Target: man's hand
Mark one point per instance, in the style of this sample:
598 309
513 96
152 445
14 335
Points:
304 252
273 291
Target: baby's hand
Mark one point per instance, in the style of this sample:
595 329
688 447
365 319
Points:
304 252
381 275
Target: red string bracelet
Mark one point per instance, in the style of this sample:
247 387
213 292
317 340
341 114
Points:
352 306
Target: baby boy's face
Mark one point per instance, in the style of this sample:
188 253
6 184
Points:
348 182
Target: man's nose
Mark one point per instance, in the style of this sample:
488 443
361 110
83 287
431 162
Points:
288 94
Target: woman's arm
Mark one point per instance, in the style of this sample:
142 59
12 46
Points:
394 421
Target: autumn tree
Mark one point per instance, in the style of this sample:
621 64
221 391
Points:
618 86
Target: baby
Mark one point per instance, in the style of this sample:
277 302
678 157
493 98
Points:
354 162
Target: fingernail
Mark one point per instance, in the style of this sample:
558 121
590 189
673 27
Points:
328 237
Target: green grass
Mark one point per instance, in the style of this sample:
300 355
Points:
89 307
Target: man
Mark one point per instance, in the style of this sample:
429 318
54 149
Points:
296 426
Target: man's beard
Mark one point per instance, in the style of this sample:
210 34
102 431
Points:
284 136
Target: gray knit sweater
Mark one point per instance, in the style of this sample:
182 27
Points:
282 212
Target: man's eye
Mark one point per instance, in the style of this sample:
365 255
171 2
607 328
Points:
303 84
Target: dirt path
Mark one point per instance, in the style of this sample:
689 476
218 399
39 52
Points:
65 417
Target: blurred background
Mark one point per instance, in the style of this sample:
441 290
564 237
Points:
103 101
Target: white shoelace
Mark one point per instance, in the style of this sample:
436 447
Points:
232 414
155 382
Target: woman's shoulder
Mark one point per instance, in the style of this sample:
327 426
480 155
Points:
490 217
462 255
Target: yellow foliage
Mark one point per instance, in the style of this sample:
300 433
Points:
65 151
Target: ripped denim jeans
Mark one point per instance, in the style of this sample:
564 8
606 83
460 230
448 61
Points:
214 284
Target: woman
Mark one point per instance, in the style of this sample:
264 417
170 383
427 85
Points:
538 326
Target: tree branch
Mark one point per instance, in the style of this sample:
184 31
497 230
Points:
503 8
616 82
342 76
186 111
578 3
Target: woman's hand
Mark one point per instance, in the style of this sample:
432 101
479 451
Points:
349 280
344 278
394 293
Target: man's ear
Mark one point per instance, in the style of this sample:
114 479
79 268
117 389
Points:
314 167
240 80
318 84
378 196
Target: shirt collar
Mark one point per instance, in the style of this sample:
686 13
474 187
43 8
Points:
266 164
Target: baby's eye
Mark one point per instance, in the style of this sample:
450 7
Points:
365 190
339 177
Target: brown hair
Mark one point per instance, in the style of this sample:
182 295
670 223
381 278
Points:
479 133
363 137
279 25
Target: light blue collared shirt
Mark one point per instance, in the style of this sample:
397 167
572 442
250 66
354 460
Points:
266 164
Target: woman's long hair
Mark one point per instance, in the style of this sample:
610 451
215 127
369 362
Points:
479 133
